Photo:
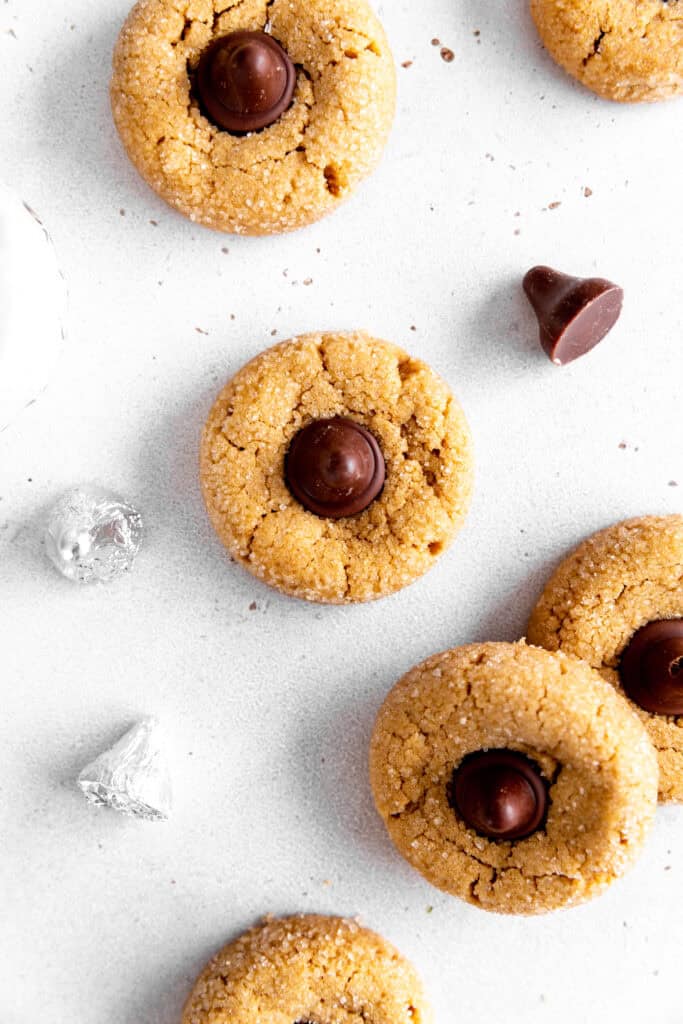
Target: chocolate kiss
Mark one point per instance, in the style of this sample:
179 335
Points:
574 314
245 81
500 794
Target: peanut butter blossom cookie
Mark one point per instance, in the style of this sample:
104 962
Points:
617 602
253 116
515 779
336 467
626 50
300 970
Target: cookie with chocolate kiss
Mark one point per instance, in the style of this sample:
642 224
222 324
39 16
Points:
336 467
617 602
308 968
513 778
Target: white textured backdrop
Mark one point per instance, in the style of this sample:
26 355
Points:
106 921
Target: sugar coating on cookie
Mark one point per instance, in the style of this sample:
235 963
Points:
628 50
292 172
425 443
308 968
611 586
593 752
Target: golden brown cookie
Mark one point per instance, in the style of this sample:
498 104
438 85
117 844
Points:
515 779
291 172
402 435
610 588
625 50
308 968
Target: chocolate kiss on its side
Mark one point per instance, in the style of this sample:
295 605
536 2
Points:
574 314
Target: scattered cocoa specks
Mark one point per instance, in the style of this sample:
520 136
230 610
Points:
154 223
673 483
285 273
554 206
517 213
200 330
253 606
587 192
413 327
232 316
623 445
225 250
447 55
436 42
430 910
490 156
273 332
517 231
407 64
668 867
308 281
11 32
122 213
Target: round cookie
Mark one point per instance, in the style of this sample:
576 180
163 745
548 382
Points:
291 172
250 444
605 592
573 734
625 50
302 969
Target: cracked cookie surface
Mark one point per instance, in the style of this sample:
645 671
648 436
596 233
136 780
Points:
614 583
625 50
591 749
287 175
421 431
308 968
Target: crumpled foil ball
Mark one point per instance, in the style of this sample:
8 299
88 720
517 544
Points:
92 535
32 307
132 777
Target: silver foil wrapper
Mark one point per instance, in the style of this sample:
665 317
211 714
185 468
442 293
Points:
92 535
133 776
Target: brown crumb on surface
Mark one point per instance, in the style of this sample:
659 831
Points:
673 483
436 42
554 206
623 445
407 64
225 250
587 192
517 231
253 606
308 280
447 55
200 330
122 213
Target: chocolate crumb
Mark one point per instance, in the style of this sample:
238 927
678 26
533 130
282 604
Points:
554 206
252 606
225 251
122 213
517 231
447 55
622 445
587 191
673 483
407 64
273 332
199 330
309 280
413 327
436 42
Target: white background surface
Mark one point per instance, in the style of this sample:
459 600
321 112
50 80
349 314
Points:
105 920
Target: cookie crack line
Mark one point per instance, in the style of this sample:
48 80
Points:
596 46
